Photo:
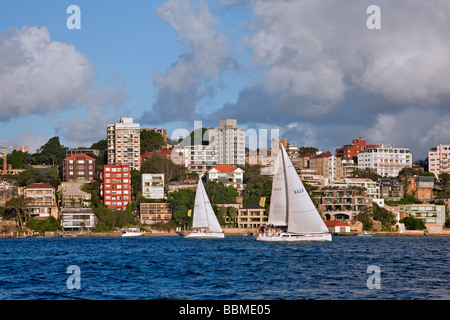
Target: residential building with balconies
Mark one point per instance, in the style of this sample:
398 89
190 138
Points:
152 185
40 200
124 145
78 168
387 161
439 159
115 186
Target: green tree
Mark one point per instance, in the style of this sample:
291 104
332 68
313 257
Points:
158 164
221 214
366 218
257 188
150 141
412 223
43 225
14 207
219 193
182 201
17 159
444 177
29 176
303 150
386 217
53 151
100 145
368 173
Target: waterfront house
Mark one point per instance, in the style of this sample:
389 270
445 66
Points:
78 219
228 175
252 216
151 213
431 214
337 226
40 200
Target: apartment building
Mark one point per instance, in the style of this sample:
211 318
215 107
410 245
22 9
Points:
152 185
199 158
431 214
292 152
95 152
351 151
341 203
115 186
420 187
78 167
78 219
391 189
372 188
387 161
75 198
151 213
40 200
439 159
327 166
251 216
230 142
123 141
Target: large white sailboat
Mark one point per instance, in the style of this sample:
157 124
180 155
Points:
205 223
292 216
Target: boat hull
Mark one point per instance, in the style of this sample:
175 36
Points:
292 237
204 235
132 234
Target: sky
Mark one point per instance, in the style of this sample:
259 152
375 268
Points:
310 68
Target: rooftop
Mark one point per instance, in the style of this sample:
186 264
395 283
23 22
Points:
224 168
39 185
336 223
76 156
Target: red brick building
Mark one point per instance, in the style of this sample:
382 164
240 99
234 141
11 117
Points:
115 186
350 151
78 167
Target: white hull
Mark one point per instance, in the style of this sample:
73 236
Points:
132 234
292 237
199 235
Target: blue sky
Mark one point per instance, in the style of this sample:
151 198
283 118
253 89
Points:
310 68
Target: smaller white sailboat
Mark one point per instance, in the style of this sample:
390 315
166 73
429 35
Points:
205 223
292 216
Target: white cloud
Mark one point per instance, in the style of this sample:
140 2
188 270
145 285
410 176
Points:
414 128
198 70
38 75
31 139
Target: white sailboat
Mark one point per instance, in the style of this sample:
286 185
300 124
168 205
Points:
205 223
292 212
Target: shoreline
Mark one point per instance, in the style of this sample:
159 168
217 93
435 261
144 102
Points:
230 233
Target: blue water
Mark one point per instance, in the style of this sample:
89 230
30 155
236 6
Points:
230 268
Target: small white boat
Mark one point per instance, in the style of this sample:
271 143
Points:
292 215
205 223
365 234
132 232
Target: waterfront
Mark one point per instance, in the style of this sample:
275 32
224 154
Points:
231 268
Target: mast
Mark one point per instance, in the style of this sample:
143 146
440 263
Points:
285 184
204 203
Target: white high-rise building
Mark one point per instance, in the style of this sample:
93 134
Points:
230 142
124 143
387 161
439 159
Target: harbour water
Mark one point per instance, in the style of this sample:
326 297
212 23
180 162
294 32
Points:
234 268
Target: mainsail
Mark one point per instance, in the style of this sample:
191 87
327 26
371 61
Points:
292 206
278 201
204 216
